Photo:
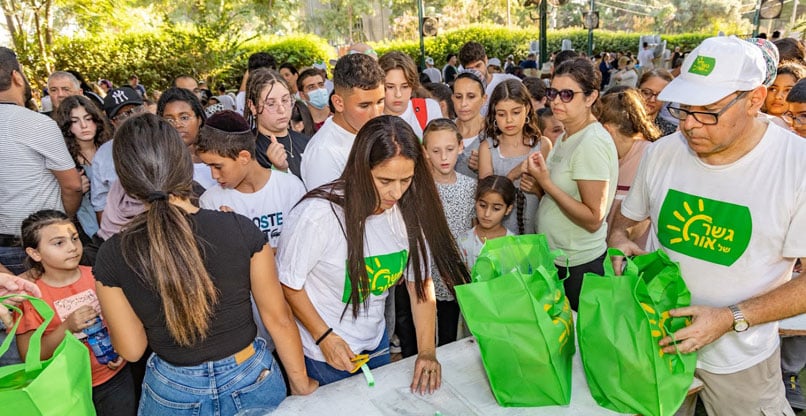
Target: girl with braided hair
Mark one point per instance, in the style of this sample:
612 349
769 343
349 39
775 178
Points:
510 136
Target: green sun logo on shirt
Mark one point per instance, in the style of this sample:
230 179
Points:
383 272
706 229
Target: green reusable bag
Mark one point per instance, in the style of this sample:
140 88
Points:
619 323
58 386
516 308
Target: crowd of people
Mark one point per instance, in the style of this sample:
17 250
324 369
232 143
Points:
245 246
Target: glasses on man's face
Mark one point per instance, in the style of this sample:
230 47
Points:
272 106
794 119
565 95
648 94
704 117
182 120
123 116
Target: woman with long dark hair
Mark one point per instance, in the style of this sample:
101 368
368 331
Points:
178 279
349 241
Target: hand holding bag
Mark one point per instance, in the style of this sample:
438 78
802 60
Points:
58 386
620 321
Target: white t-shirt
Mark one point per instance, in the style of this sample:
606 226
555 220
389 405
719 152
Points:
312 255
470 246
645 58
589 155
326 154
735 229
268 207
203 175
435 75
497 79
433 112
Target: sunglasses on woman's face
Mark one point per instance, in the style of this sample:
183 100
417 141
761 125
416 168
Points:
565 95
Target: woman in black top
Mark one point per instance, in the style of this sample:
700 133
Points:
179 278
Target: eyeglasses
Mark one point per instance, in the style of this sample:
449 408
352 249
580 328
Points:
123 116
273 107
793 119
565 95
704 117
182 120
648 94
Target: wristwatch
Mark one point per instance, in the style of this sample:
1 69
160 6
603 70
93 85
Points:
740 324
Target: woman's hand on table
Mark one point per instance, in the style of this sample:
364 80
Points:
427 373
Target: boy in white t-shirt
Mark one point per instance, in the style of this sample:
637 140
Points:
227 146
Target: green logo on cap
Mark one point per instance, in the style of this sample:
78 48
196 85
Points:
702 65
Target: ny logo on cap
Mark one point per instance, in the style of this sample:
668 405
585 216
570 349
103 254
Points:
702 65
119 96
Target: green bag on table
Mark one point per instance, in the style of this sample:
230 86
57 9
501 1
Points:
620 321
516 308
58 386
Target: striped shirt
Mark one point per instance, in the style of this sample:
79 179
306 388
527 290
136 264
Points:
32 147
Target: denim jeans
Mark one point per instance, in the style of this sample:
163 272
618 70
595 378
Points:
220 388
13 258
325 374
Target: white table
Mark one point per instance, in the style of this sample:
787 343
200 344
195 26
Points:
464 391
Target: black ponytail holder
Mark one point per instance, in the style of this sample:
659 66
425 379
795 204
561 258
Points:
157 196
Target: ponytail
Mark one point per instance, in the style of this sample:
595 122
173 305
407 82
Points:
153 165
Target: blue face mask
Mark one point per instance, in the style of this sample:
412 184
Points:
319 98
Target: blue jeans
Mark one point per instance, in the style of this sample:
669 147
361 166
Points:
325 374
221 387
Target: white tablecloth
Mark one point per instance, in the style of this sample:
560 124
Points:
465 391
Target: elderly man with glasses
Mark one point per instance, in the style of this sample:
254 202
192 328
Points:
726 198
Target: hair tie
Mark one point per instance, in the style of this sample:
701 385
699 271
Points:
157 196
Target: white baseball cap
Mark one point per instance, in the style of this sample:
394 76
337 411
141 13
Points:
717 68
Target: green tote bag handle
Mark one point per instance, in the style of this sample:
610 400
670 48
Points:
631 268
32 360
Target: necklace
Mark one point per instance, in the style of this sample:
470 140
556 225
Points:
485 237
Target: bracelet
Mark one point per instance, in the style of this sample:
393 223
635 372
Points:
322 338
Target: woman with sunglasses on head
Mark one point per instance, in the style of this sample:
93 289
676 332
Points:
650 85
579 176
269 106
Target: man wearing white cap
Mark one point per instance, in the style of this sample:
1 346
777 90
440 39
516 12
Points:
435 75
726 198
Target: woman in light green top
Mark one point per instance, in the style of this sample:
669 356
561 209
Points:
578 178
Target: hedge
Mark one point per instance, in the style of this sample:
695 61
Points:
158 57
499 41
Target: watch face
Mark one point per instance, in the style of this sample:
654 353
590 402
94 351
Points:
740 326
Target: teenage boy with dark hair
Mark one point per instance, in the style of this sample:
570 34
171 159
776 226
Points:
312 90
358 97
796 116
473 56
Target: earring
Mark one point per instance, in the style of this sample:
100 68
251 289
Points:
527 120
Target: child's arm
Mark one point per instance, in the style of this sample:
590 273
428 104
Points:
75 322
485 160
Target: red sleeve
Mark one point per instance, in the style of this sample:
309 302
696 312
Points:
31 319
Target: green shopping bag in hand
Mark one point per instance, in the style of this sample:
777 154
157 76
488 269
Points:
620 321
516 308
58 386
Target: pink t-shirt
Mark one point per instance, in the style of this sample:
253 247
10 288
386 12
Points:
627 168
